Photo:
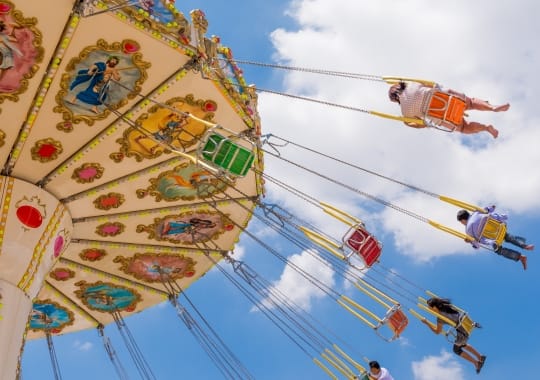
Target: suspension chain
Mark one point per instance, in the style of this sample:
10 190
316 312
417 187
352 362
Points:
309 70
367 195
412 187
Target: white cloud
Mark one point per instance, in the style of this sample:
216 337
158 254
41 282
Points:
296 287
82 346
239 252
349 36
438 367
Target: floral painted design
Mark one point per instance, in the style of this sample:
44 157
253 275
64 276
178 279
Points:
110 229
46 150
92 254
62 274
88 173
109 201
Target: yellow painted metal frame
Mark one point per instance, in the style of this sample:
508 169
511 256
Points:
340 214
340 361
324 242
493 229
359 311
329 245
367 316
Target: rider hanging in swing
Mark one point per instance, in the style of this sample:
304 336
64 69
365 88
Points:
474 223
417 101
444 308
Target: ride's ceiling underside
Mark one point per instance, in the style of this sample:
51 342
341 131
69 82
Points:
95 101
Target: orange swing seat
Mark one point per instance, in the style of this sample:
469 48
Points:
446 108
396 321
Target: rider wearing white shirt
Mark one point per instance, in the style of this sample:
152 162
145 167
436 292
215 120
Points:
376 372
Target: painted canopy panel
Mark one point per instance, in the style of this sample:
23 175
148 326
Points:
107 121
28 44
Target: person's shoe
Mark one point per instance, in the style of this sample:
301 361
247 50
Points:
529 247
480 363
477 325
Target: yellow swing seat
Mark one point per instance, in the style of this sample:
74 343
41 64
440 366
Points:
494 229
465 323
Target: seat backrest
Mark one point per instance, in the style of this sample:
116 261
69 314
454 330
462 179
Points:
227 155
446 107
466 323
356 239
494 230
365 245
397 322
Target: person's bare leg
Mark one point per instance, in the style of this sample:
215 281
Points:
483 105
523 260
474 127
469 358
473 351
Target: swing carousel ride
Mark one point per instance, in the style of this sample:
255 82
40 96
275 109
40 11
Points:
132 162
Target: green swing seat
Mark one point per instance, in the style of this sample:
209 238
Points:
226 155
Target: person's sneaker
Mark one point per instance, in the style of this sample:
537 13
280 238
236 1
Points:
480 363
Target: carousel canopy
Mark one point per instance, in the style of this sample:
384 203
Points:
104 108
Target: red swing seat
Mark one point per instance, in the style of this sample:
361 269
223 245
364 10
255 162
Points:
364 244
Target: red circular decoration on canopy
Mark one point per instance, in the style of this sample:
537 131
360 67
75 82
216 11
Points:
210 106
29 216
130 47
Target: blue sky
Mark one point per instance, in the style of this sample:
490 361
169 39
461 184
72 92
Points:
481 49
